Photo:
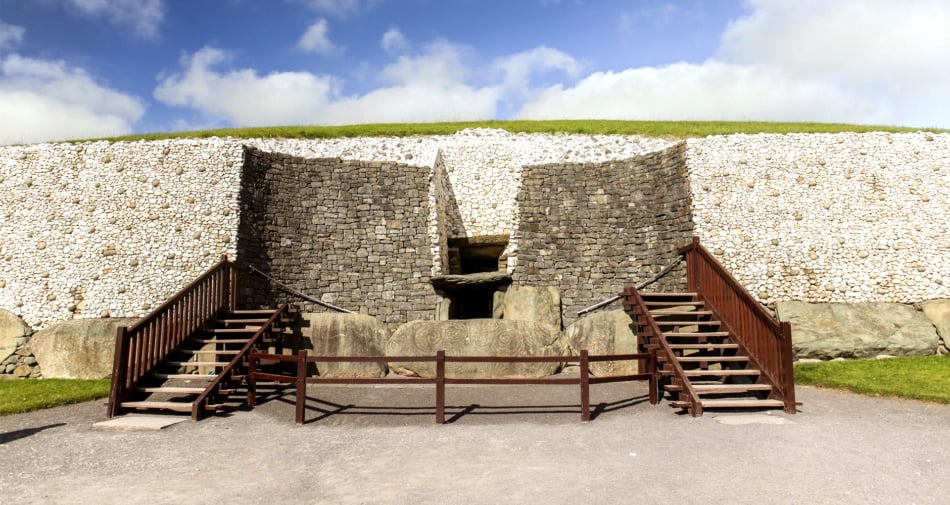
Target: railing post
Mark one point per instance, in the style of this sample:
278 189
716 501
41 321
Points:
232 287
788 369
119 370
653 382
301 386
585 386
251 381
440 387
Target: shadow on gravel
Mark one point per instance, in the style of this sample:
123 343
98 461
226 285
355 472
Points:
18 434
325 409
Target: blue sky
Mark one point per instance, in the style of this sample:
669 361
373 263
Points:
86 68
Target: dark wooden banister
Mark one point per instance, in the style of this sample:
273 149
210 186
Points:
198 408
143 346
766 340
646 320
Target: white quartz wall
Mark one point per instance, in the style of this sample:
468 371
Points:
97 229
102 228
827 217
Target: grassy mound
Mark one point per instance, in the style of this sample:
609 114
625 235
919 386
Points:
673 129
18 396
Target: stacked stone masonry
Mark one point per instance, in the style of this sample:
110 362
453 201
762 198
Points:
114 228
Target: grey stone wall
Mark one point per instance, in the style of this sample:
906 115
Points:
590 229
354 233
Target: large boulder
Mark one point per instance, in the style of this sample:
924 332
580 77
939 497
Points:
529 303
78 348
476 337
938 311
333 334
857 330
606 332
13 332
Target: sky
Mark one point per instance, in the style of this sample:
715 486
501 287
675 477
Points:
92 68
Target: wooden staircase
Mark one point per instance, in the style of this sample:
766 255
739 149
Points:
191 353
715 347
199 373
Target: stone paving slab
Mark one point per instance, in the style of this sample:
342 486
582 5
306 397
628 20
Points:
138 422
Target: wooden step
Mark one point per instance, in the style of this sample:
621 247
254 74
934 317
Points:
722 373
232 331
688 323
666 294
722 388
673 304
716 359
671 312
209 351
175 406
707 347
252 312
205 341
695 333
256 321
170 390
197 363
183 376
732 404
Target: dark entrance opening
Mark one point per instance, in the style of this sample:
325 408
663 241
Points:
476 272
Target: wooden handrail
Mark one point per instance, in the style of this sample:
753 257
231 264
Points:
198 407
146 344
767 341
747 298
646 320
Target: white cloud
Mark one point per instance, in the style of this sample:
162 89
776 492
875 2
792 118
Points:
141 17
709 91
895 51
244 98
316 39
394 42
519 68
10 35
49 100
339 8
424 87
863 61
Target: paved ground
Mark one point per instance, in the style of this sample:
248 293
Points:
505 444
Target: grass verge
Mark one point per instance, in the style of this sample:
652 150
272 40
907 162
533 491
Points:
18 396
916 377
676 129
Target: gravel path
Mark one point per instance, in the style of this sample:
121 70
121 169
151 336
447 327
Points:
506 444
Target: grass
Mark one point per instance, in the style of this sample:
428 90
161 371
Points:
18 396
675 129
924 378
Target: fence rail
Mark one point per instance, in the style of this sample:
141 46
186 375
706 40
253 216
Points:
143 346
301 359
766 341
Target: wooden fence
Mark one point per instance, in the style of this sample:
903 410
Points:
301 380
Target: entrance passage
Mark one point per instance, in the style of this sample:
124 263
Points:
477 269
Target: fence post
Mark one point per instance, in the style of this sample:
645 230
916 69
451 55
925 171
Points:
788 370
119 366
585 386
301 386
440 387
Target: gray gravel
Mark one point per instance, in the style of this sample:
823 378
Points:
507 444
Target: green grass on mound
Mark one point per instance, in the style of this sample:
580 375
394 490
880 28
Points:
674 129
918 377
18 396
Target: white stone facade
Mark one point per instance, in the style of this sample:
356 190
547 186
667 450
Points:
115 228
827 217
